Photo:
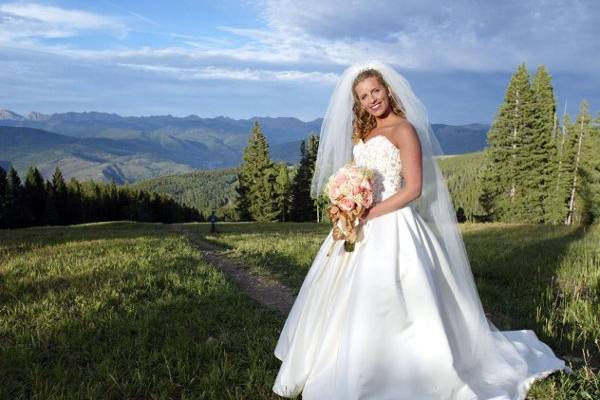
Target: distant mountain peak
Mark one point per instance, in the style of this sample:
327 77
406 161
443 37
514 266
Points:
10 115
37 116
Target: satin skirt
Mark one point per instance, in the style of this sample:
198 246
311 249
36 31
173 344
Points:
368 324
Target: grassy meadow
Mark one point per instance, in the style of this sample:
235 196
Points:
125 311
131 310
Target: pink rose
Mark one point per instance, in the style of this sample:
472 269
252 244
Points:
333 192
340 179
347 204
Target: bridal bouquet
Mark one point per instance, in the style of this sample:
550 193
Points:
350 192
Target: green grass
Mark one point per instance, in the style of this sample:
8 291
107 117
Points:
130 310
545 278
125 310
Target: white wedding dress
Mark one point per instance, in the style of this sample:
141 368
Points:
373 323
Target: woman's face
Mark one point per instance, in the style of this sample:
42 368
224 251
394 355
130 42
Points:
373 96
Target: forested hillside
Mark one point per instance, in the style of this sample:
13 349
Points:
202 190
462 176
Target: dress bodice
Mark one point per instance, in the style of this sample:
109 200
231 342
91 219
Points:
383 157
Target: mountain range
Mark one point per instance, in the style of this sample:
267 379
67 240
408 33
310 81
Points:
103 146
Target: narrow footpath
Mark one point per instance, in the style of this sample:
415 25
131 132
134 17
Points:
267 292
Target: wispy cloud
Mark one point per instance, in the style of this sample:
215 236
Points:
426 35
459 53
246 74
132 13
31 20
466 35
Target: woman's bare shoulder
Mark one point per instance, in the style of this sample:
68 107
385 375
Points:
403 133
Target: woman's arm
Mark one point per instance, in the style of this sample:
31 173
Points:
406 139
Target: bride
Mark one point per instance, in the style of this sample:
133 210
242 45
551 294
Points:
399 317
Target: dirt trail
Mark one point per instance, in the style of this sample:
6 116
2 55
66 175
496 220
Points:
266 291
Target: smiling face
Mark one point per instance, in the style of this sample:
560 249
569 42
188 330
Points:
373 96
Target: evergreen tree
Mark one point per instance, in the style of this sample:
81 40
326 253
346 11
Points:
303 207
3 194
282 191
15 216
558 200
489 191
578 138
75 201
510 137
256 179
35 195
538 151
50 212
59 196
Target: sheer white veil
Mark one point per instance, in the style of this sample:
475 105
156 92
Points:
476 337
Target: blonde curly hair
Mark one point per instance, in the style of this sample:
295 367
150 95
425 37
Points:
363 122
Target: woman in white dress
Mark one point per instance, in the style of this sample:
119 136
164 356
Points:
398 318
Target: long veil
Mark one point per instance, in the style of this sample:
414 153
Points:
476 341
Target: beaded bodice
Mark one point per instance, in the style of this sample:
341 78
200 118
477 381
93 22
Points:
383 157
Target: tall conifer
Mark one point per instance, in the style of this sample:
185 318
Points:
3 193
35 195
558 197
303 206
15 216
580 131
538 150
282 191
59 196
505 176
256 179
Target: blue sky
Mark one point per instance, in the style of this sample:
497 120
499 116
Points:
281 58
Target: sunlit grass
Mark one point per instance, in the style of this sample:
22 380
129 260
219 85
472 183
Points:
129 310
123 310
545 278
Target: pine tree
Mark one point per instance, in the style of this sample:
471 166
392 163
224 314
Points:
282 191
578 137
510 136
303 207
487 199
75 201
50 212
3 194
256 179
538 151
35 195
59 196
558 198
264 207
15 216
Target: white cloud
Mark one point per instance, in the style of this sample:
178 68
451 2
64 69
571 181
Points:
301 46
245 74
325 35
467 35
30 20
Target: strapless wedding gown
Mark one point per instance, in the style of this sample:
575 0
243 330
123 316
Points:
368 324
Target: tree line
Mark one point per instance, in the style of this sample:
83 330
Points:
56 202
539 169
269 191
